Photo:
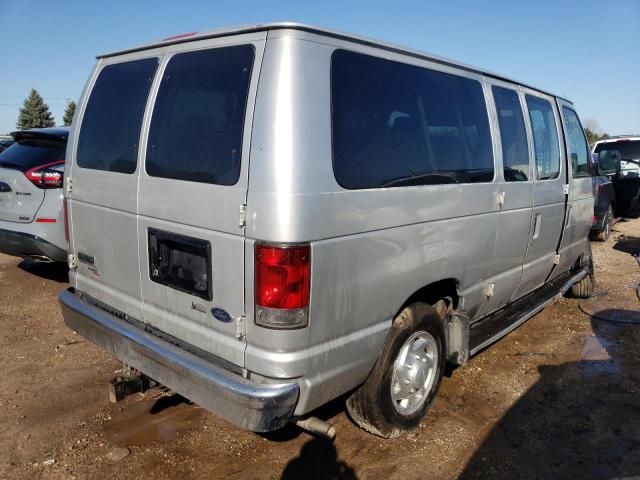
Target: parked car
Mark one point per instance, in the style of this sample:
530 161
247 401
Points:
5 143
604 205
31 179
354 221
619 160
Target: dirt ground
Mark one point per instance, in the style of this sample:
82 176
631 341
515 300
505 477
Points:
557 398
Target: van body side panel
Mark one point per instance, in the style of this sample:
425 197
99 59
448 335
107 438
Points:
513 219
185 210
371 248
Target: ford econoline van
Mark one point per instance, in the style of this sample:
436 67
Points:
266 218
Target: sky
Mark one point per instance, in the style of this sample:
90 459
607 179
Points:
585 50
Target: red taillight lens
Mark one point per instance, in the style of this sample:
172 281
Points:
46 176
282 285
65 216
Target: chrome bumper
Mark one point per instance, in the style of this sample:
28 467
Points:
253 406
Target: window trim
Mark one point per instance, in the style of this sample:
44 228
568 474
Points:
559 134
153 97
450 70
87 96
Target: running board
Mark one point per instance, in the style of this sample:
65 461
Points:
490 329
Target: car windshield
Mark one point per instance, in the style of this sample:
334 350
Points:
629 149
32 152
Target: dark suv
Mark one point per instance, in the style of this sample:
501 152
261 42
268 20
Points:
619 161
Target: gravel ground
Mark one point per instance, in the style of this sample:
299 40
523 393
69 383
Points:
557 398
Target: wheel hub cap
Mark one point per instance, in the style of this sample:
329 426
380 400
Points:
414 373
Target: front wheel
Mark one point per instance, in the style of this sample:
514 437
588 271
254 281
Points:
406 377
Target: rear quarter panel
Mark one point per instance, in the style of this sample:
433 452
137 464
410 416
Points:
371 249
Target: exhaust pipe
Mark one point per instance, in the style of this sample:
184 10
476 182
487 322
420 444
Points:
317 427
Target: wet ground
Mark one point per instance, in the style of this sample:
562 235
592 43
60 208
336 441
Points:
557 398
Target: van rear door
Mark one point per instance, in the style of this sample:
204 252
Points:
102 184
192 189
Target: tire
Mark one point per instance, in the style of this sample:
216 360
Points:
603 235
585 287
383 405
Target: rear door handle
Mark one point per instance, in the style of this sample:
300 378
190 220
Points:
536 226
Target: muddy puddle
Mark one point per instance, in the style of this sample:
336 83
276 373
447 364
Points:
155 420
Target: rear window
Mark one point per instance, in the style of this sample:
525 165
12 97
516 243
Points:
397 125
629 149
32 152
110 129
198 119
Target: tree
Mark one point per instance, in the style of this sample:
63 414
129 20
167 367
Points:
35 113
68 113
593 136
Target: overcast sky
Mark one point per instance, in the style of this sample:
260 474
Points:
586 50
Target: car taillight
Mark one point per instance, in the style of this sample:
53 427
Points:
65 217
46 176
282 285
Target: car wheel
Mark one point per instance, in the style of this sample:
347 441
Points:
585 287
402 385
604 234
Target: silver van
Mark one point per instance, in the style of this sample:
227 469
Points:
266 218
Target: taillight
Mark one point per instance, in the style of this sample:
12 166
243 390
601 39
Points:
65 217
282 285
46 176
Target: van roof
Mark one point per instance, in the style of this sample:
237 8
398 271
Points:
222 32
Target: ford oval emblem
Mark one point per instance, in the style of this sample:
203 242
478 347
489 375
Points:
221 315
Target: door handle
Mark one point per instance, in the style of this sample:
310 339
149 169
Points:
536 226
568 220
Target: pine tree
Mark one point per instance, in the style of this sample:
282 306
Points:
68 113
35 113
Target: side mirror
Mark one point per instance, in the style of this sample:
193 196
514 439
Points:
608 162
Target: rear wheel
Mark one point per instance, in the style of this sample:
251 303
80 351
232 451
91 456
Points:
605 233
406 377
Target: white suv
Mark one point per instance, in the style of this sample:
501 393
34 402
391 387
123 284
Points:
31 201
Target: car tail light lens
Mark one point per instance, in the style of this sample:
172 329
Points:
46 176
282 285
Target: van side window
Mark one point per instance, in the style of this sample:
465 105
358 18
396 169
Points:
198 119
110 129
576 144
513 134
399 125
545 138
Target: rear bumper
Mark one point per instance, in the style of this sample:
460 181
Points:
26 245
259 407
